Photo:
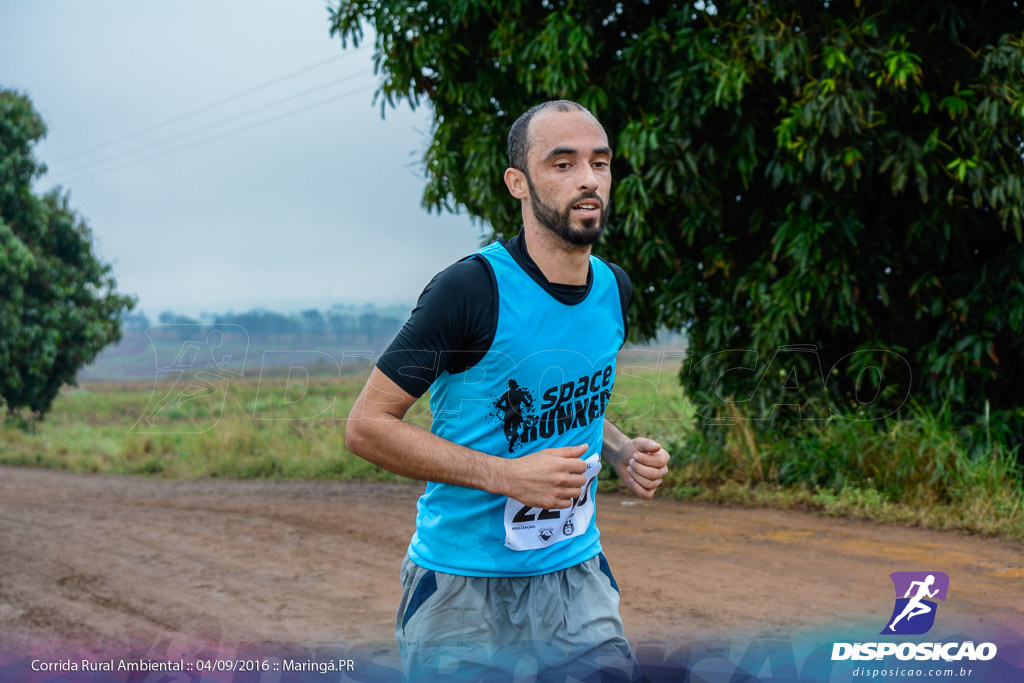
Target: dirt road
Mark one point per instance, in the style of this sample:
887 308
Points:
104 560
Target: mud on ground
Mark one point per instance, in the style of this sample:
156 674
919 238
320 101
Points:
105 560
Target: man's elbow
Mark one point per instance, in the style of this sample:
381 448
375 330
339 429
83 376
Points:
355 433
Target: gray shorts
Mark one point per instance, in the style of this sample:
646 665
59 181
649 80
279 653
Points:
562 626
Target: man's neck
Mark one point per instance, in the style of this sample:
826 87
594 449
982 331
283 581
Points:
562 263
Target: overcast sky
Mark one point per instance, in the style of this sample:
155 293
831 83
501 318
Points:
292 195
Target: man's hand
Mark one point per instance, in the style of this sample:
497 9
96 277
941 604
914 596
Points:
548 479
642 465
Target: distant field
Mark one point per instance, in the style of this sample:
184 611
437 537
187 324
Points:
917 468
275 424
139 356
231 347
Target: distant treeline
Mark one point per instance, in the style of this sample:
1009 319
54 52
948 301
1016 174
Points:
244 342
365 325
256 341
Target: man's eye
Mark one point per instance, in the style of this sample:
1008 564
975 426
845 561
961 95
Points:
600 164
562 165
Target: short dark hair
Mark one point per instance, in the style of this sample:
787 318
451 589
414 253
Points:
518 134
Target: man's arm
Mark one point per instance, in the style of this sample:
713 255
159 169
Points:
376 431
640 462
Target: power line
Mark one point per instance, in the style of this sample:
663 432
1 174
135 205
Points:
229 133
177 138
212 105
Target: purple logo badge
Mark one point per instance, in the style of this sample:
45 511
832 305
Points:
914 612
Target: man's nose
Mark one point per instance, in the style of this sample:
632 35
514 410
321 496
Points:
587 179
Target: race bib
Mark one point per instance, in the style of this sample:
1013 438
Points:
530 528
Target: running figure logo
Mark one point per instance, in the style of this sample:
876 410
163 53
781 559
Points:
205 361
513 411
914 613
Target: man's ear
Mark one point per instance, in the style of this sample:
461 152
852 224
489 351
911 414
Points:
515 181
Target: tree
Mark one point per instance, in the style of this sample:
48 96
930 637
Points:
342 326
313 323
843 175
58 303
262 323
135 322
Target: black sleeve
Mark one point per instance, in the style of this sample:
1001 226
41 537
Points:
450 329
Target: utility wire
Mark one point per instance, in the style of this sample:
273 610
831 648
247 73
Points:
212 105
177 137
229 133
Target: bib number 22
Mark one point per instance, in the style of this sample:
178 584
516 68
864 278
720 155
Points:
531 514
530 528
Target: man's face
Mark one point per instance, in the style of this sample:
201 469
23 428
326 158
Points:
569 176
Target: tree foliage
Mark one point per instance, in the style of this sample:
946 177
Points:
58 304
843 175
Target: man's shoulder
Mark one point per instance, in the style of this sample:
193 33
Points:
455 316
468 283
625 291
615 267
472 270
621 278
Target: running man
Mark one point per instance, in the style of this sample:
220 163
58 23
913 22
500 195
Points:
515 405
915 607
505 568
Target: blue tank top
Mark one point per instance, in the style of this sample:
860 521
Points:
544 383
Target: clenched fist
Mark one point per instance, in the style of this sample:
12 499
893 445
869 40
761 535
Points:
642 466
548 479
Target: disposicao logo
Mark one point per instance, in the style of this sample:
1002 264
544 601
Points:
916 592
914 614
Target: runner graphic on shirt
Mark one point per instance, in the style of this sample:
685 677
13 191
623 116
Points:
514 410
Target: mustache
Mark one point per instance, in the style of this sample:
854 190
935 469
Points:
587 195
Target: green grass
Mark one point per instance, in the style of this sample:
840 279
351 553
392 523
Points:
98 427
921 469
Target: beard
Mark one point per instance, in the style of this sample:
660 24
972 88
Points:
558 222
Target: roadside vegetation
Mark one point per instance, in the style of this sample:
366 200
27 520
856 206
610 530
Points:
920 469
916 469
